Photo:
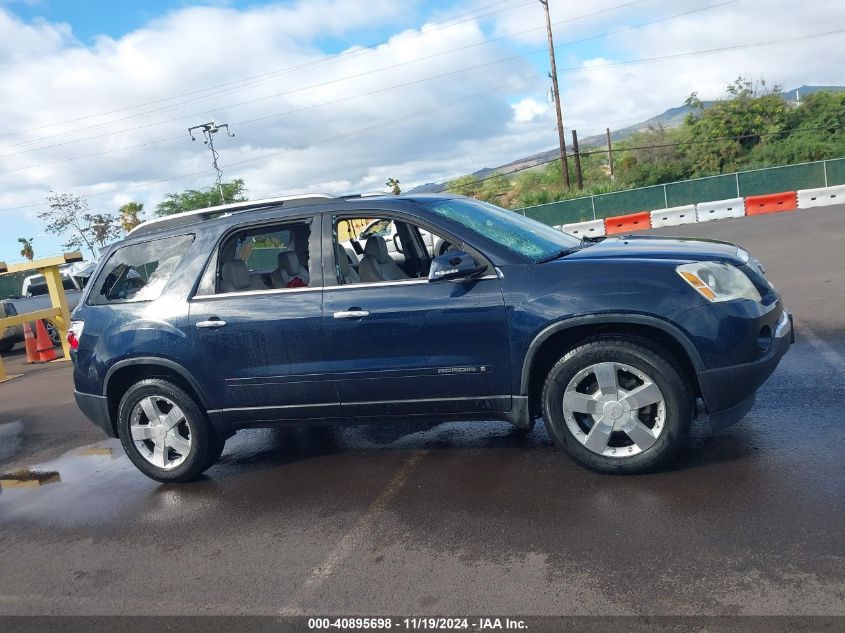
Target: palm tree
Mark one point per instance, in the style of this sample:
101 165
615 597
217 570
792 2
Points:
394 185
27 251
129 213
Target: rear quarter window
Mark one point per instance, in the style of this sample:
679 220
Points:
139 272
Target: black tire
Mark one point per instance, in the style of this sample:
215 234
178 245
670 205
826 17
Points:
204 444
218 446
54 333
6 346
654 363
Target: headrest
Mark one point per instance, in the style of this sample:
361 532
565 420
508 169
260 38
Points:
342 258
377 248
289 262
236 274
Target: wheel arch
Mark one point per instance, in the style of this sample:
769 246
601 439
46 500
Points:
552 342
127 372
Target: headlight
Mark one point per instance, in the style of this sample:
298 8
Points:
718 282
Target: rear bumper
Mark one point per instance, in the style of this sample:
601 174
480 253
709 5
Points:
96 409
729 392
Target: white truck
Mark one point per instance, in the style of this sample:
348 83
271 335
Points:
34 296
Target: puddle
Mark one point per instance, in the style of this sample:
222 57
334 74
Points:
28 479
98 451
98 487
10 439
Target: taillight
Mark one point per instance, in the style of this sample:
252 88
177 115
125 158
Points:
74 333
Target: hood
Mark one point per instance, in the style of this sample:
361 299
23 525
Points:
655 247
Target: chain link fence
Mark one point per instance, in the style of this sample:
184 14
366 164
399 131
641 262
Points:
10 284
826 173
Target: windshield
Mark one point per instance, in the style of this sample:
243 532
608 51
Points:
515 232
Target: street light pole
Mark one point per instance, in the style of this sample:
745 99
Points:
561 138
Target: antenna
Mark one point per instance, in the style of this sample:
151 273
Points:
208 131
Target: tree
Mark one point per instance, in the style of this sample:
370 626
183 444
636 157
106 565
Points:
751 116
27 251
130 215
102 227
394 186
68 215
465 186
192 199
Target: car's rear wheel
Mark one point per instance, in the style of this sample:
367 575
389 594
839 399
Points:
54 332
164 432
617 406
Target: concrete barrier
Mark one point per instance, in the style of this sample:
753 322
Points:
591 228
673 216
627 223
771 203
720 209
822 197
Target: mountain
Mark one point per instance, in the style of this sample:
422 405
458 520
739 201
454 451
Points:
672 117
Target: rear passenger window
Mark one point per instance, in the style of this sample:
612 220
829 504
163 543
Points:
266 258
139 272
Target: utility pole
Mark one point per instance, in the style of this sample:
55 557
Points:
208 131
609 154
561 138
579 179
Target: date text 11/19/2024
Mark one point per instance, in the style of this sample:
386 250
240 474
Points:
417 623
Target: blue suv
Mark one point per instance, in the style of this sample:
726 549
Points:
287 311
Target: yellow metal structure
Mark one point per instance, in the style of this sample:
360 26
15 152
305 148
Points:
59 314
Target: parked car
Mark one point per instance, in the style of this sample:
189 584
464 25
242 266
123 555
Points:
34 296
180 341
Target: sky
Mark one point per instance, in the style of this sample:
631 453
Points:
336 96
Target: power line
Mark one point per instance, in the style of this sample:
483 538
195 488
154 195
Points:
571 70
331 139
333 81
720 139
330 82
344 54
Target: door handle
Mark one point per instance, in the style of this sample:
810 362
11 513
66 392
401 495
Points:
211 323
351 314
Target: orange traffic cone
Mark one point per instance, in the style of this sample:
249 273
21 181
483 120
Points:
29 341
46 351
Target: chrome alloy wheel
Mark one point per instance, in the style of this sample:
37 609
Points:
160 432
614 409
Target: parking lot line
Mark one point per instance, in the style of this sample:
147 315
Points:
353 539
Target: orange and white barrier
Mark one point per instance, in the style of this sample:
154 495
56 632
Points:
628 223
771 203
707 211
822 197
673 216
720 209
591 228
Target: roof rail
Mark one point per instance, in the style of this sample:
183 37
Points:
367 194
209 213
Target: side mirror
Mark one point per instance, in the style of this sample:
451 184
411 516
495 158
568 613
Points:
454 265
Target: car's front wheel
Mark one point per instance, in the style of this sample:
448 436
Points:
164 432
617 406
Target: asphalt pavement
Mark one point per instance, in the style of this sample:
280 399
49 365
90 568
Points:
457 518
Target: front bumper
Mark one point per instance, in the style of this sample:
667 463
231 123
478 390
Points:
729 392
96 409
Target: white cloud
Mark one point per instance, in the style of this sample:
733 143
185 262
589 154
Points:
528 109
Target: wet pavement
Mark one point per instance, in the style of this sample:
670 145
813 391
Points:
456 518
